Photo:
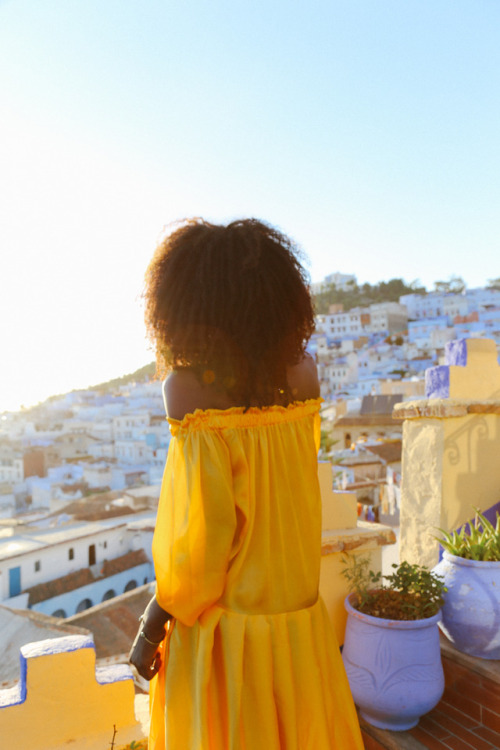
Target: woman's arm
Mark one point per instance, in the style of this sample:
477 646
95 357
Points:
144 654
183 393
303 379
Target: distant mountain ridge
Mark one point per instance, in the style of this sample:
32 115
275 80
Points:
143 373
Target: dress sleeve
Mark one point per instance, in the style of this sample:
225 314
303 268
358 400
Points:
195 525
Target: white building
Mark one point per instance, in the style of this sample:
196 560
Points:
132 451
59 487
390 317
482 298
345 324
98 473
342 281
439 337
101 430
11 469
423 331
68 568
130 426
335 376
434 305
455 304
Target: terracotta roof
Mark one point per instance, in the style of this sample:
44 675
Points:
366 419
125 562
95 507
43 591
99 515
380 404
390 452
359 460
114 623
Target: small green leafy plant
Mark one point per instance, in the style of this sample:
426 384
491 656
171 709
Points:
477 540
412 592
137 745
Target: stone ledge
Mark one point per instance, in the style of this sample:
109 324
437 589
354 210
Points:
437 408
381 739
365 535
489 668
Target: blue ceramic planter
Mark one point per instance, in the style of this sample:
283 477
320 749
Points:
471 611
393 667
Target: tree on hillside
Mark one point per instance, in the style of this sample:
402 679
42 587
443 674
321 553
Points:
494 283
366 294
454 285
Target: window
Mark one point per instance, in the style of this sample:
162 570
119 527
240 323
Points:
38 566
105 545
71 554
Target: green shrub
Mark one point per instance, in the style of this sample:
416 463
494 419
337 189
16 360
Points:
412 592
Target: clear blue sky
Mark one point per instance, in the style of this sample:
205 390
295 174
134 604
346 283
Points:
366 129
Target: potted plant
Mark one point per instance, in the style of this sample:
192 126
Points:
391 650
471 571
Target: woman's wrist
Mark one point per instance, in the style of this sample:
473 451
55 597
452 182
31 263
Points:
153 622
152 636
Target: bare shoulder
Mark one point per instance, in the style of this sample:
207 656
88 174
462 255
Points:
183 393
303 379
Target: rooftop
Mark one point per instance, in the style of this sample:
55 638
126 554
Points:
57 586
33 538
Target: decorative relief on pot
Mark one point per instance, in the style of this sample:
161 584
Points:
388 672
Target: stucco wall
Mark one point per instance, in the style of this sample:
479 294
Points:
451 448
63 701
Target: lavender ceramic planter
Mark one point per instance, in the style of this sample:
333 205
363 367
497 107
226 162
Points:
394 668
471 611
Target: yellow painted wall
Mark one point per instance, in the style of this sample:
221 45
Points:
450 466
333 586
65 706
480 377
451 454
471 467
341 532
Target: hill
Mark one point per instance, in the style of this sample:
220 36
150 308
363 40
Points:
143 373
364 295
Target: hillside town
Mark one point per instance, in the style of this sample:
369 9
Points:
79 484
80 474
370 358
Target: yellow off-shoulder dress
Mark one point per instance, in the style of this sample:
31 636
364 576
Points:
251 660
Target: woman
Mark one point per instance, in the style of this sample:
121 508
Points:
249 661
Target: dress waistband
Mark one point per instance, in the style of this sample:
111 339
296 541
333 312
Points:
280 613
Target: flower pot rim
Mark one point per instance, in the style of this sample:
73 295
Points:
470 563
382 622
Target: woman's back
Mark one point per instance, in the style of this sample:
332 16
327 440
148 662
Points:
268 457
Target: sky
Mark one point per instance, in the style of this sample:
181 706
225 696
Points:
367 130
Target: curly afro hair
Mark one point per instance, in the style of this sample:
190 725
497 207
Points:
233 304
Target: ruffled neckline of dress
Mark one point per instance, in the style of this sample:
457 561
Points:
238 416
